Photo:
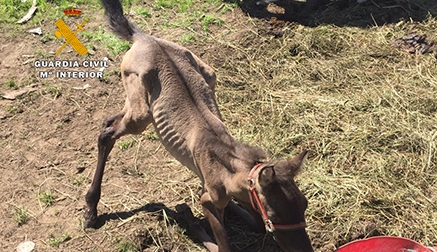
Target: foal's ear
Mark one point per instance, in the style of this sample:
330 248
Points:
266 176
297 162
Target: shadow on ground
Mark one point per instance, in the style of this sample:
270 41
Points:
233 225
150 208
173 217
340 12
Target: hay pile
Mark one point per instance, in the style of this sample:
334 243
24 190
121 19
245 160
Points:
366 111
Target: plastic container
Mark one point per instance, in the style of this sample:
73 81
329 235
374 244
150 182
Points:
385 244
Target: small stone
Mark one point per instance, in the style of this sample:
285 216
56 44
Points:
26 246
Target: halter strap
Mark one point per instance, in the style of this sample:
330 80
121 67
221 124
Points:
256 204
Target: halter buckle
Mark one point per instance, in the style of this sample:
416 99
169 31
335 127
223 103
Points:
269 226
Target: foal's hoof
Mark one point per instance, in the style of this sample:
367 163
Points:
185 211
89 223
182 208
90 219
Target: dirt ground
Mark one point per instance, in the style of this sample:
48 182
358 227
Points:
48 155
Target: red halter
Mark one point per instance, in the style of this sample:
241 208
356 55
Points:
256 204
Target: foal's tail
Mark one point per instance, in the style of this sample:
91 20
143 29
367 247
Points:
117 21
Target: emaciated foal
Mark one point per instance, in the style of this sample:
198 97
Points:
168 86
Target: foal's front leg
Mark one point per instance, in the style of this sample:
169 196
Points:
215 217
195 228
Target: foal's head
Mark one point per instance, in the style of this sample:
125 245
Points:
280 203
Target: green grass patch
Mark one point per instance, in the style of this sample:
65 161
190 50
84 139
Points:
151 135
187 38
78 181
21 216
46 198
12 109
13 10
143 12
56 241
109 40
126 144
53 91
178 5
11 84
208 20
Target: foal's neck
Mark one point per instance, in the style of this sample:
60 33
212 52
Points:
237 183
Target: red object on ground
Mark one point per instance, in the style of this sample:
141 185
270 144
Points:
385 244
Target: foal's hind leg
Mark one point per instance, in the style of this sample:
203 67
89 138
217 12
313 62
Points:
133 119
114 127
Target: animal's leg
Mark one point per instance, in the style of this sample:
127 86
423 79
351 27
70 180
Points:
114 128
105 143
215 217
207 73
195 228
133 119
259 223
241 212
